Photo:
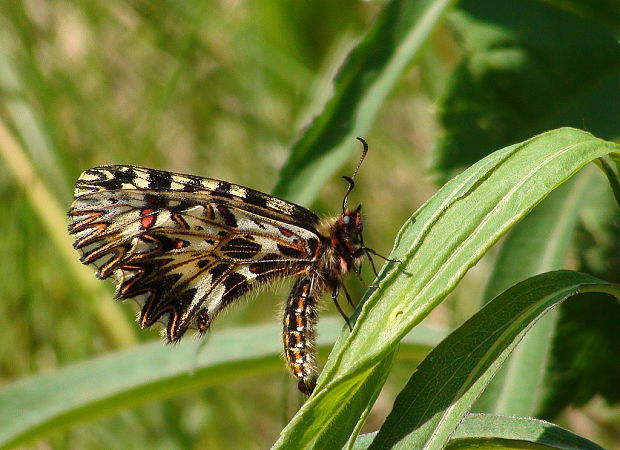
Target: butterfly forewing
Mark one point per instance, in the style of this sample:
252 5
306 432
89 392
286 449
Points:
186 246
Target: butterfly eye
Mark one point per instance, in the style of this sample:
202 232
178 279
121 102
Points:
347 220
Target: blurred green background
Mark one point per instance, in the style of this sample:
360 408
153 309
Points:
219 89
223 89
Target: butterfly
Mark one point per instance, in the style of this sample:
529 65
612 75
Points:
185 247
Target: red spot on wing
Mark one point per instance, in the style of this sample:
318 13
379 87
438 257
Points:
285 232
147 218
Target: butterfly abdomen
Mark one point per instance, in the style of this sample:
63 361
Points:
300 316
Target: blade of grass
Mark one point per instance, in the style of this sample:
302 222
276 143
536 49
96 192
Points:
437 246
365 79
43 198
53 220
42 404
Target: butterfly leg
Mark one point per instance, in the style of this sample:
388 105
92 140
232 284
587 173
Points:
369 252
348 296
335 293
300 317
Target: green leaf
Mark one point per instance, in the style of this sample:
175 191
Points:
40 405
538 244
489 431
529 66
353 418
37 406
510 432
365 79
437 246
443 388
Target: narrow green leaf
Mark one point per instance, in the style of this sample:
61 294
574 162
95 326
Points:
35 407
489 431
354 416
538 244
510 432
21 163
363 82
39 405
437 246
443 388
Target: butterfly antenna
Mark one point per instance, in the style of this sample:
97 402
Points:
364 151
350 179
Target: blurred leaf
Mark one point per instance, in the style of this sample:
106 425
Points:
529 66
445 385
538 244
437 246
39 405
612 177
586 355
586 351
364 81
604 11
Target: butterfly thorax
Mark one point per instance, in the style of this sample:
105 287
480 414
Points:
342 243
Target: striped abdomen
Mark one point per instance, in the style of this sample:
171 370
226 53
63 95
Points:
300 317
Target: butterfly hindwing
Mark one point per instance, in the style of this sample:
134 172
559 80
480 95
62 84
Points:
186 246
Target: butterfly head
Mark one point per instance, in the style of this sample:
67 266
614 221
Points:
347 239
350 223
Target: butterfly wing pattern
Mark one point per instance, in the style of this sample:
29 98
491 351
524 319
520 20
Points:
185 247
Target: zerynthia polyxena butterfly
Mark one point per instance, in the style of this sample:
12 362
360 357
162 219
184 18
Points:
185 247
